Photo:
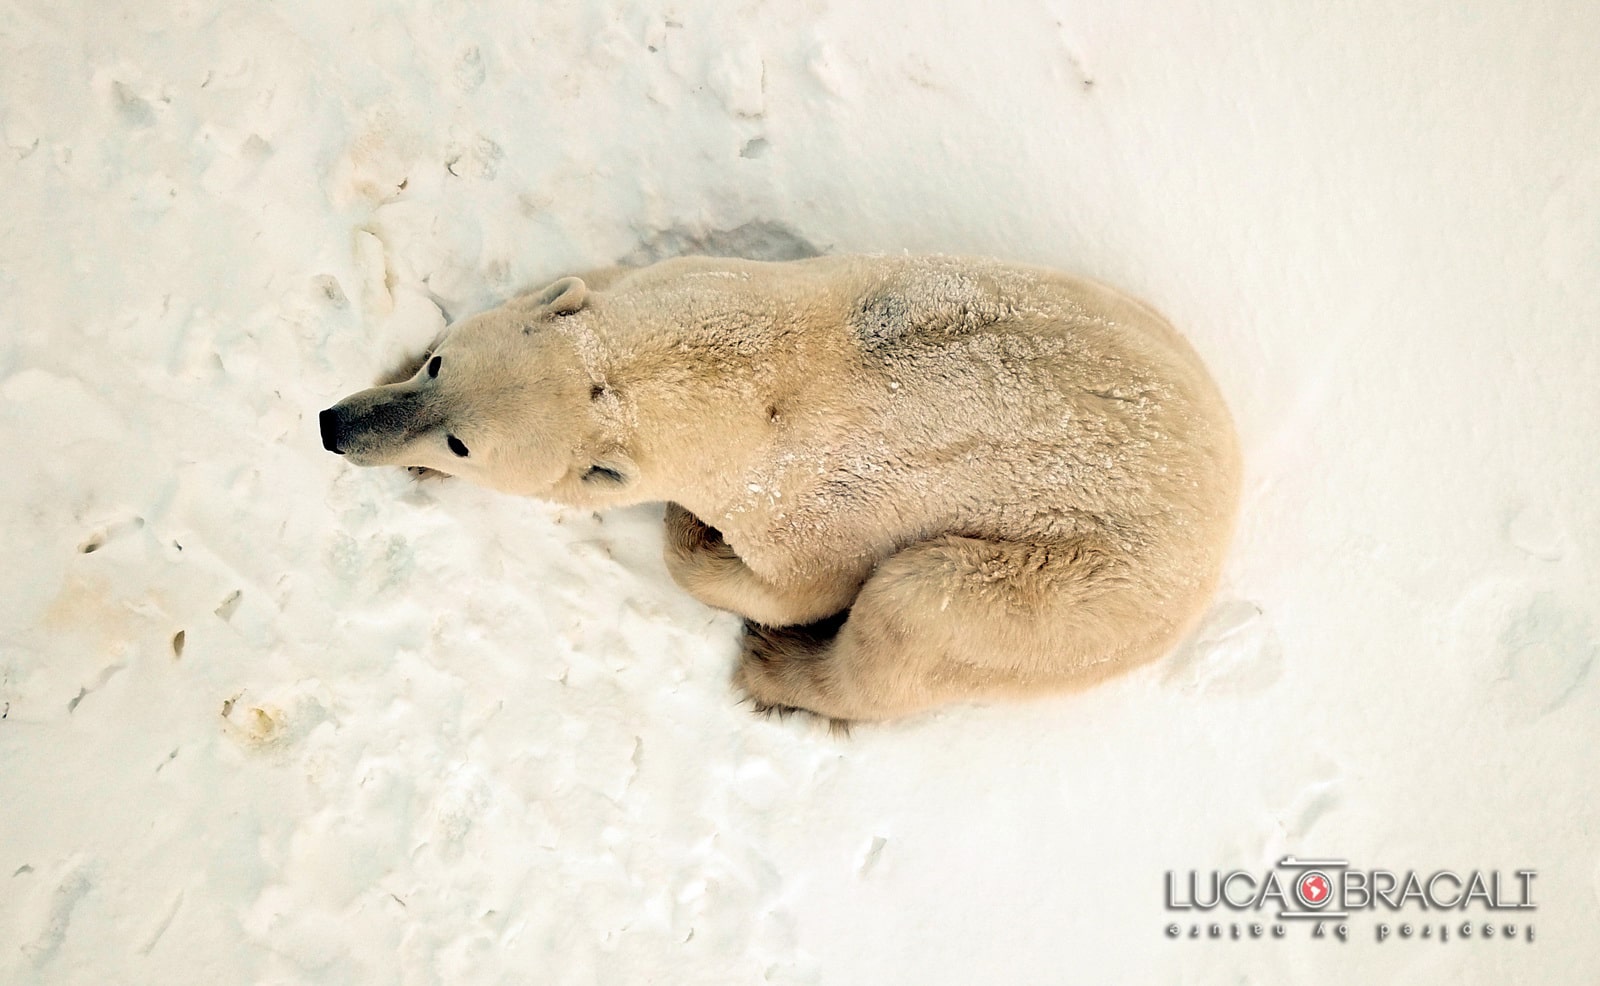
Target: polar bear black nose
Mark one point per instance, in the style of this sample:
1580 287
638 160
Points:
329 420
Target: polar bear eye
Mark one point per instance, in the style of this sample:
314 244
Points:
433 366
456 445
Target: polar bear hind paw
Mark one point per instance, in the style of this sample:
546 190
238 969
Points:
781 667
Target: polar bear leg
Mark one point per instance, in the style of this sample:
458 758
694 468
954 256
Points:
959 617
705 566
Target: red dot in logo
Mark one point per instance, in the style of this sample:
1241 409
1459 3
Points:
1313 889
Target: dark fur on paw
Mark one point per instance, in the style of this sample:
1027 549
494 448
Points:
770 710
773 654
689 535
792 641
836 727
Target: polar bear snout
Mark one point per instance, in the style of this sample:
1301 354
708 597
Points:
376 426
329 420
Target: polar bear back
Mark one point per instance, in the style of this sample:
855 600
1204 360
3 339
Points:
917 396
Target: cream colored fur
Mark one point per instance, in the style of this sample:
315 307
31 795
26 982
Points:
1011 479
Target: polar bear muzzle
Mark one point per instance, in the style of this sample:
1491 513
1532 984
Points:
375 424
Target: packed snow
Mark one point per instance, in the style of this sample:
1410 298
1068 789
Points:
267 718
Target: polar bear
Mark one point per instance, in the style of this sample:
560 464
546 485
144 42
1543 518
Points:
918 479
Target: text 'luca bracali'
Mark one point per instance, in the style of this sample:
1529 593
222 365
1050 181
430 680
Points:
1320 896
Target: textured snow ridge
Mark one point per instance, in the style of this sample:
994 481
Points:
265 718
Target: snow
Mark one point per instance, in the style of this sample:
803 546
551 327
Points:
270 719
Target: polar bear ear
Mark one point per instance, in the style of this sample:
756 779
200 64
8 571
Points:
563 297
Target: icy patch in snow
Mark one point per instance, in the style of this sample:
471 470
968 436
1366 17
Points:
1545 650
1234 651
757 240
1538 533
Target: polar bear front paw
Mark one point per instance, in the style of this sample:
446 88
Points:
693 544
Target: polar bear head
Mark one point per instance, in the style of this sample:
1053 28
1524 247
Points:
503 399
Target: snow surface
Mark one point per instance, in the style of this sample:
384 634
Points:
271 719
